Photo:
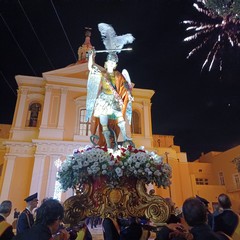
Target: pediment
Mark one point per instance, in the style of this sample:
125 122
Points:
79 71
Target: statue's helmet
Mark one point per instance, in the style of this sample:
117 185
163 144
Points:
112 57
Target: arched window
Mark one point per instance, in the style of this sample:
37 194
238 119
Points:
33 113
136 123
84 126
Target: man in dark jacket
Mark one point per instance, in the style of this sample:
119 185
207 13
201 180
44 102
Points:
132 231
25 219
48 219
6 230
111 229
226 221
195 215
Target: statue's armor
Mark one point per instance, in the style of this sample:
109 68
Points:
105 86
106 103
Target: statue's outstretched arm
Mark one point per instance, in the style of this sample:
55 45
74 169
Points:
90 60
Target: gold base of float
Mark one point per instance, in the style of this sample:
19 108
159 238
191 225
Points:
128 198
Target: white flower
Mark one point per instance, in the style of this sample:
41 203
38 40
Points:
75 167
157 173
137 164
157 159
119 171
89 170
95 164
85 163
104 172
111 163
130 160
104 166
147 165
96 161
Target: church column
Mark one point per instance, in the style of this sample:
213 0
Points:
147 122
21 105
46 106
62 108
52 172
37 175
9 161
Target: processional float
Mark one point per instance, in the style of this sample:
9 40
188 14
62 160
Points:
112 180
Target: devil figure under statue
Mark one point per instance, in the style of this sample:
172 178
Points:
109 97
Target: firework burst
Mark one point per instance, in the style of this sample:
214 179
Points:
220 31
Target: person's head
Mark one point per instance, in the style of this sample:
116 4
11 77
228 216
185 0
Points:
111 62
6 208
32 201
194 212
50 214
203 200
224 201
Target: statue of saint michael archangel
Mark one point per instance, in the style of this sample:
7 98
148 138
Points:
109 92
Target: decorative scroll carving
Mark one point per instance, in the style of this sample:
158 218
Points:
128 198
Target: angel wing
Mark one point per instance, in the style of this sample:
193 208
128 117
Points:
110 38
127 77
129 105
93 84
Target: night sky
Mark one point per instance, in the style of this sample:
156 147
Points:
200 108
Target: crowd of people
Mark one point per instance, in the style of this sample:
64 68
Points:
33 222
198 223
195 223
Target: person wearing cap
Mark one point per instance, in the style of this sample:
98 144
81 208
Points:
47 225
209 214
26 219
6 229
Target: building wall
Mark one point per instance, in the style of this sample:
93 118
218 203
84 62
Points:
222 162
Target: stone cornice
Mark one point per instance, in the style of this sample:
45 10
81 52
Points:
51 147
61 80
41 147
68 88
26 80
21 149
143 93
69 69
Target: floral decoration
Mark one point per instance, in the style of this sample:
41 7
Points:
114 165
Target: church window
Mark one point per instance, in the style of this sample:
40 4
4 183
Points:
136 123
201 181
33 113
236 180
221 178
84 126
